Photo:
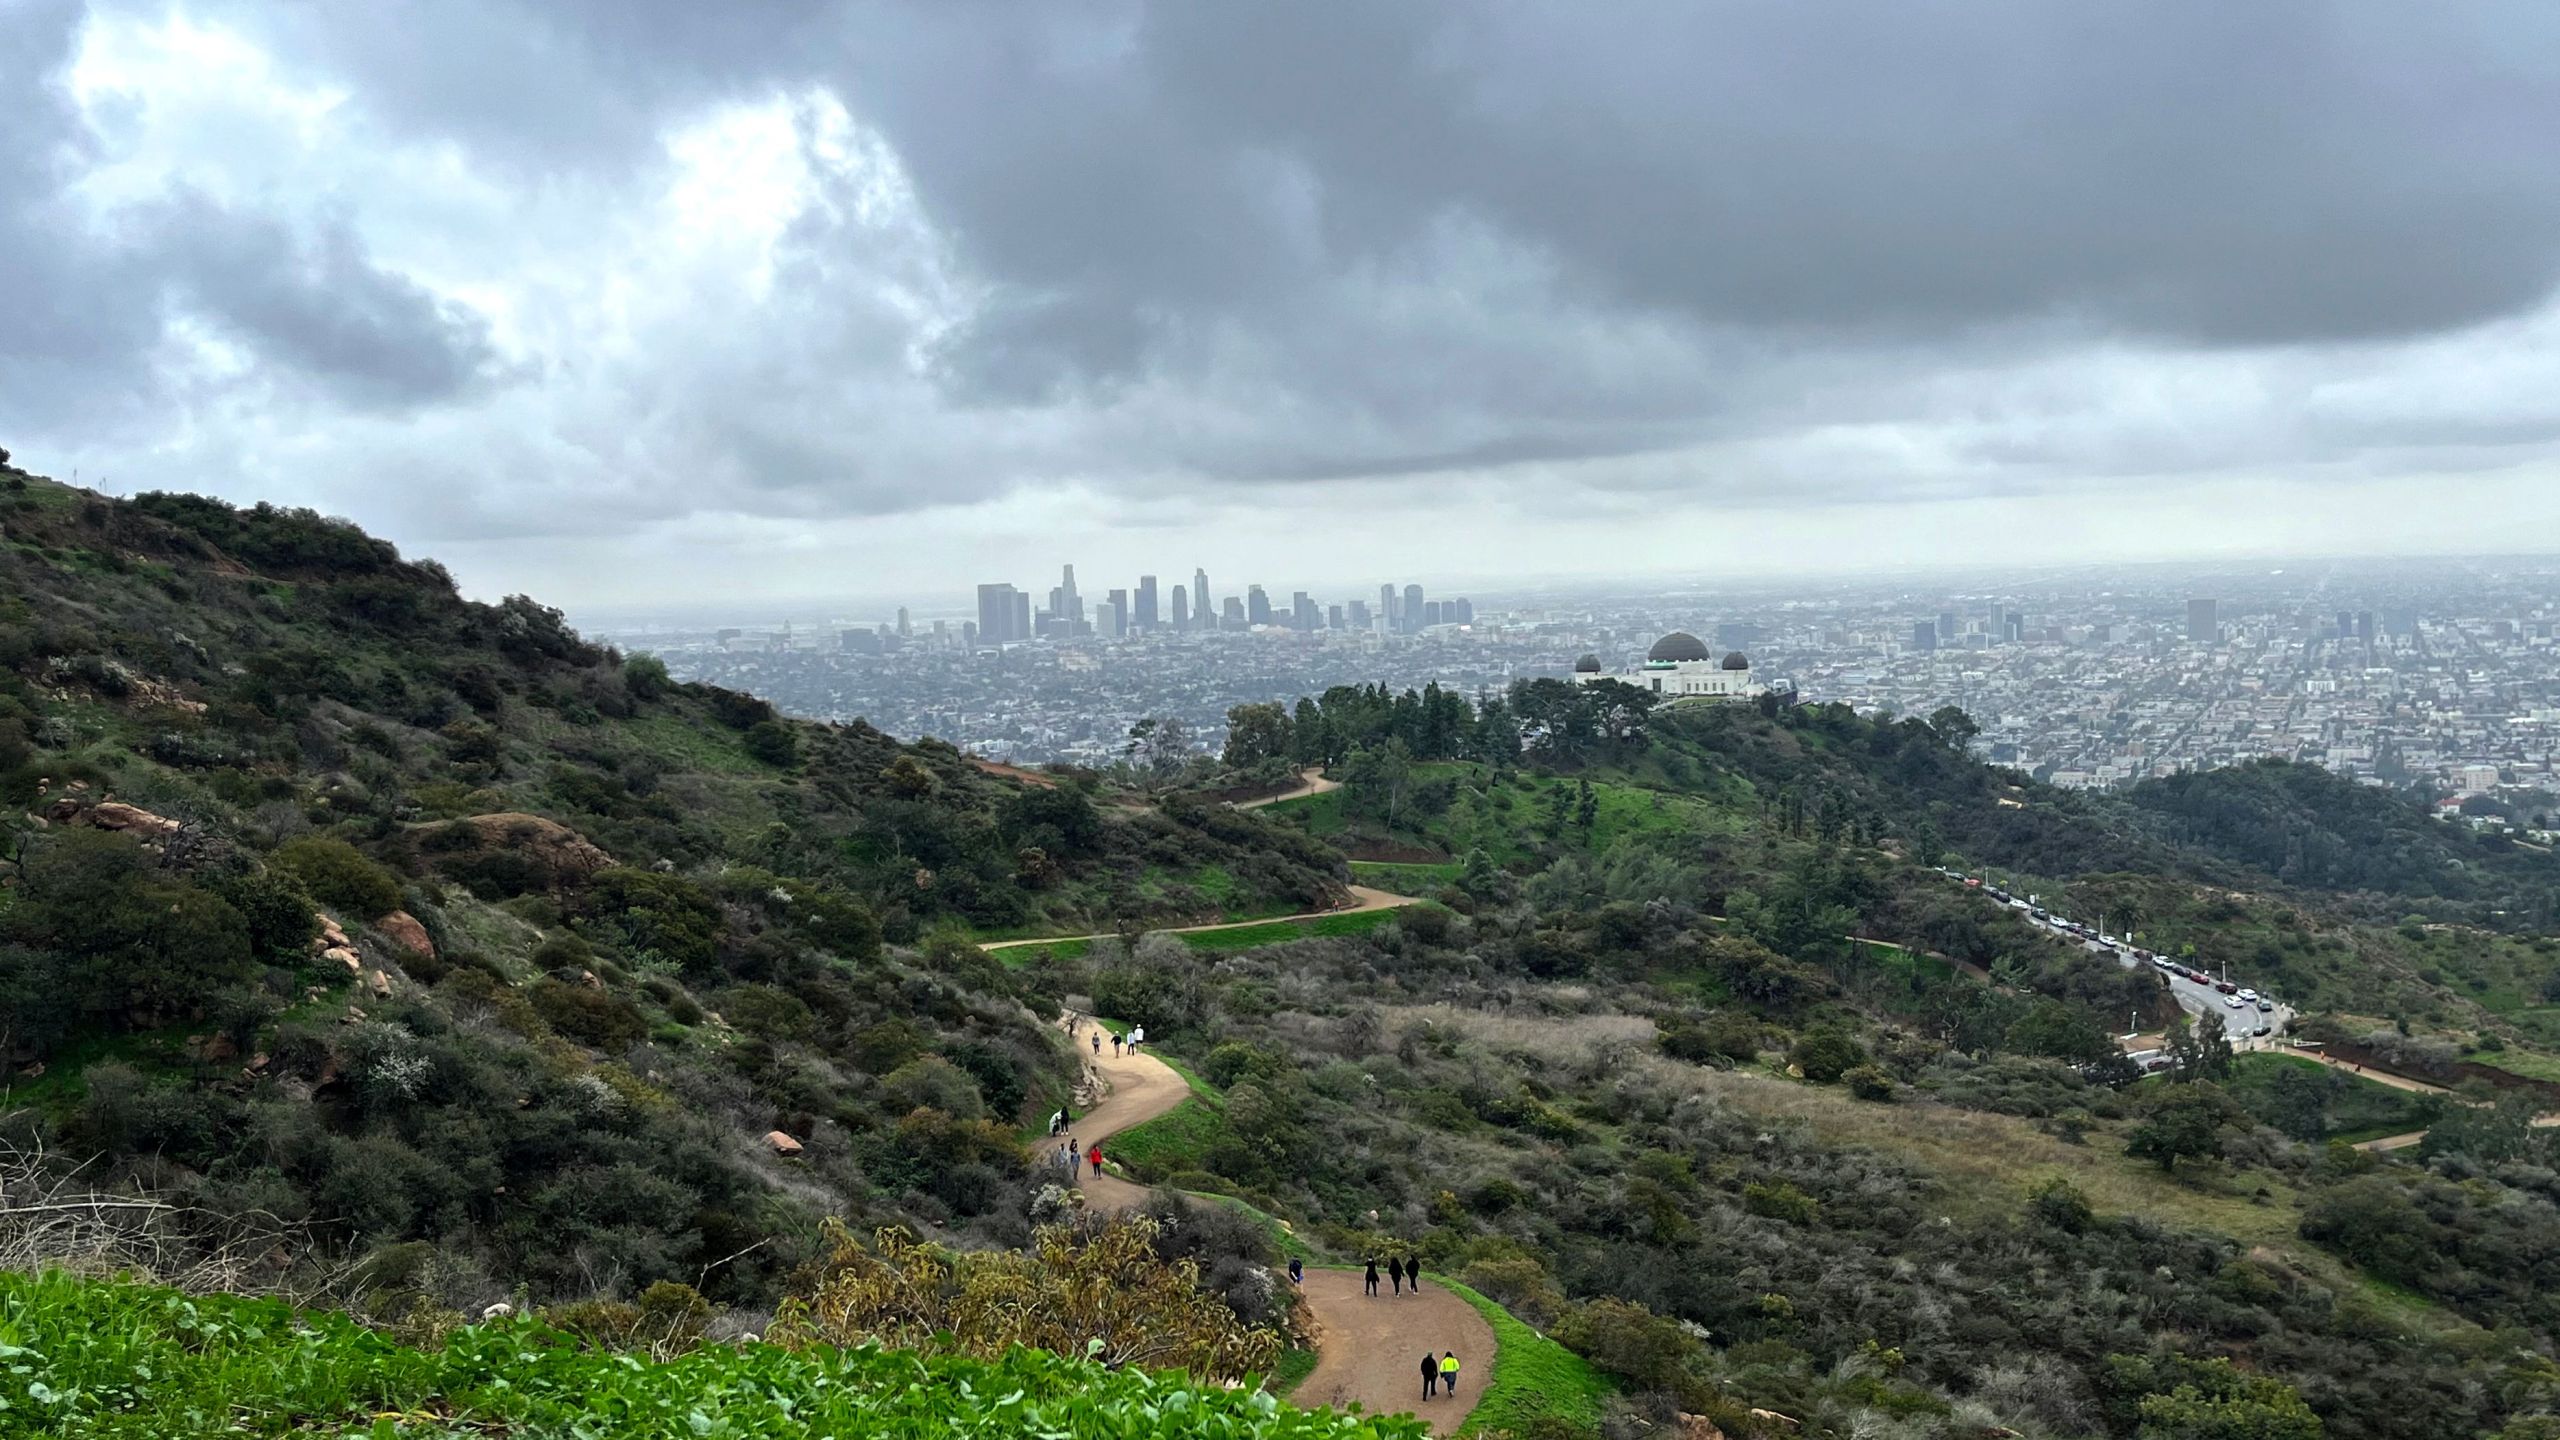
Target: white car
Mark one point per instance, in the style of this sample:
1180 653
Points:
2249 995
2234 1001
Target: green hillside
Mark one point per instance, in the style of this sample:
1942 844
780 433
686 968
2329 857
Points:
591 935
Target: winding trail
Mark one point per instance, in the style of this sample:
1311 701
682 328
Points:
1363 897
1368 1351
1311 781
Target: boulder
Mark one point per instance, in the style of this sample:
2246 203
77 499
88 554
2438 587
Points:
344 956
402 929
117 815
550 844
780 1143
381 984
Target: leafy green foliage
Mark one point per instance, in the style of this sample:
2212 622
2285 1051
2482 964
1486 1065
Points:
115 1361
340 875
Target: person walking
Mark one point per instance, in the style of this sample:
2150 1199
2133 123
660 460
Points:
1297 1271
1097 1044
1449 1372
1413 1273
1075 1156
1372 1281
1116 1043
1395 1274
1094 1155
1430 1374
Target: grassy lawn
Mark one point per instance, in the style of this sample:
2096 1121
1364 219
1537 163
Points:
1242 937
1535 1380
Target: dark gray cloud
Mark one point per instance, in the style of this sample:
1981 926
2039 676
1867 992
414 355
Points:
1756 253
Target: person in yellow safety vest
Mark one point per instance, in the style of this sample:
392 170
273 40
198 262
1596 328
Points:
1449 1371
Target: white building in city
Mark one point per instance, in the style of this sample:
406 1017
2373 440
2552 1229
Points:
1678 667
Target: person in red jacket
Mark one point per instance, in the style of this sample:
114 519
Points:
1095 1155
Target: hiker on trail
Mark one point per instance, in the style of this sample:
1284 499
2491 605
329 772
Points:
1395 1273
1449 1372
1373 1278
1097 1044
1095 1155
1430 1374
1297 1271
1075 1156
1057 1121
1413 1272
1116 1043
1137 1037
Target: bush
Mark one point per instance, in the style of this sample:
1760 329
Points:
1826 1055
341 875
588 1015
1869 1082
773 744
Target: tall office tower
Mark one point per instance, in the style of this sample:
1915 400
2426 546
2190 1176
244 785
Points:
2013 627
1145 618
2346 626
1924 636
1021 615
1387 605
1181 608
1231 614
1359 614
1433 613
2364 625
903 628
1946 624
969 634
1302 612
1413 607
1204 614
1070 606
995 614
1462 611
2201 626
1117 612
1333 617
1257 606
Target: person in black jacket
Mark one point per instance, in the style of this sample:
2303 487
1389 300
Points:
1373 1278
1430 1374
1413 1273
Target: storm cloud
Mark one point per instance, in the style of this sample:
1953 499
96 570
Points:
610 272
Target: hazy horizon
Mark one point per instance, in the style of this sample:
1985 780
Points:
613 303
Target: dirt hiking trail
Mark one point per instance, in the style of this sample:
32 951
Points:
1367 1351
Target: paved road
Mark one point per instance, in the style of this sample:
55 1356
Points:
1363 897
2194 997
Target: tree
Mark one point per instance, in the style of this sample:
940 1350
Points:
2185 1124
1954 728
1255 733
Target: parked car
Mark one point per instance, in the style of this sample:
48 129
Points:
2266 1006
2249 995
2234 1002
2263 1030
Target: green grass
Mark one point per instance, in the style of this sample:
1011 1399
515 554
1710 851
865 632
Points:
112 1360
2363 1110
1506 815
1355 922
1292 1371
1404 879
1535 1380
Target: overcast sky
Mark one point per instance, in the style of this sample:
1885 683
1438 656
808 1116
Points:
622 302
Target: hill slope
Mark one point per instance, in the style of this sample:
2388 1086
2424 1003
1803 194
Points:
582 938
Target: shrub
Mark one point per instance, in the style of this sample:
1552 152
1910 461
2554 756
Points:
1778 1200
1869 1082
1826 1055
588 1015
341 875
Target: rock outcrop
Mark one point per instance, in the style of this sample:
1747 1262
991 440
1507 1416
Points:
403 930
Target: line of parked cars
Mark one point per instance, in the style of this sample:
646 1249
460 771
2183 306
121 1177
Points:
2234 995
